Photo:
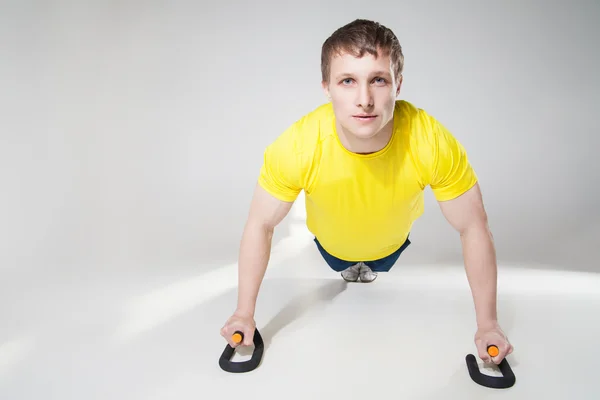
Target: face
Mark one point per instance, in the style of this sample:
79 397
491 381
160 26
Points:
363 93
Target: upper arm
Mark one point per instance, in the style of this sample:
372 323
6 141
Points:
282 173
444 162
267 210
282 177
465 211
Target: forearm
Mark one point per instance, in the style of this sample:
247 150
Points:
255 250
481 268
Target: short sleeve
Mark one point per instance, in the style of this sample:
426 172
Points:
281 171
449 171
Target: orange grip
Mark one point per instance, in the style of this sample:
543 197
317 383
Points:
493 350
237 337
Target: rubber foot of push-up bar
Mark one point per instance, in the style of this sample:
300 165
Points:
497 382
243 366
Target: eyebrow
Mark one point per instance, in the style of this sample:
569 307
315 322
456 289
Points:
382 73
346 74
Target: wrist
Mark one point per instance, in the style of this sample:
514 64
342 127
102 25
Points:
488 323
244 312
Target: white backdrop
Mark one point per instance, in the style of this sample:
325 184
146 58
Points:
131 133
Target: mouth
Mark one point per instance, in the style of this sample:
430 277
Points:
365 117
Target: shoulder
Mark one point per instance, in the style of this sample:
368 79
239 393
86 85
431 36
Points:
312 127
423 130
304 135
439 156
419 121
294 154
406 108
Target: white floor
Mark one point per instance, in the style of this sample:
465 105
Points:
405 336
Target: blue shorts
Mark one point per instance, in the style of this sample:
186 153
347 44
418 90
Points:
382 265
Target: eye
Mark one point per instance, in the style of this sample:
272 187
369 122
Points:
380 80
346 81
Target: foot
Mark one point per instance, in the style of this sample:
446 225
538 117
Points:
351 274
366 274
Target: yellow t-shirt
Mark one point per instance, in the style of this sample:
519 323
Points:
362 206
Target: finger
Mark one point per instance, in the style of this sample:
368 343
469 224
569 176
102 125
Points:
227 332
482 350
249 337
509 349
232 342
503 351
236 336
498 359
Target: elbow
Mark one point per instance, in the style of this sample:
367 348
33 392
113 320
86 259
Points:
479 230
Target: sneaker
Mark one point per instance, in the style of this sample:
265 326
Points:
366 274
351 274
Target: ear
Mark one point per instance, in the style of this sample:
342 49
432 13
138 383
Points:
399 85
325 87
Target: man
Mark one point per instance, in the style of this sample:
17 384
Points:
363 161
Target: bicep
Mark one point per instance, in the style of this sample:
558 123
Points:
266 210
465 211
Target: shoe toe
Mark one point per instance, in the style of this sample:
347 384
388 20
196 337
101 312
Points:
367 275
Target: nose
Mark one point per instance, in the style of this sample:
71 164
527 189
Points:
364 96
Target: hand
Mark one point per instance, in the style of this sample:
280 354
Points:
492 334
239 322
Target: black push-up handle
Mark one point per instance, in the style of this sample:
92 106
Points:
497 382
244 366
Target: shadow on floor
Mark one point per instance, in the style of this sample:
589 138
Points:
293 310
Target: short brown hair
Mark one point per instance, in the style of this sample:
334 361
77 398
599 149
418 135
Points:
359 37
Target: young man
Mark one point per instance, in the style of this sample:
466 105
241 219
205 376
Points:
363 161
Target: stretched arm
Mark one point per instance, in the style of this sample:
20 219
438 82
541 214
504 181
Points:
467 215
266 212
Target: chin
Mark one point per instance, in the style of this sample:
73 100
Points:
365 132
361 134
